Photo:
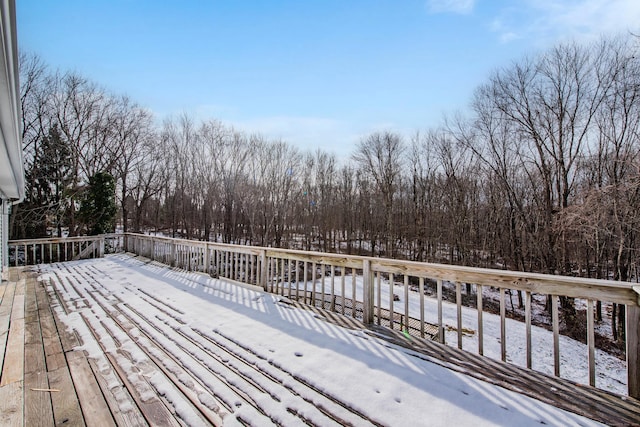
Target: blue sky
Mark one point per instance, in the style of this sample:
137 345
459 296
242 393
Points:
316 73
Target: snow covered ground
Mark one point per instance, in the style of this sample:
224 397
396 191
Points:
293 363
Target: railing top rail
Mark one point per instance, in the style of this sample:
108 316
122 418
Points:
577 287
200 243
55 240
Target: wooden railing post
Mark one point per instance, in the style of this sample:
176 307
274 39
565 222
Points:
101 247
262 269
633 348
367 289
207 268
153 249
173 253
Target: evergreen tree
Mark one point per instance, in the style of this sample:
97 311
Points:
56 176
98 207
47 181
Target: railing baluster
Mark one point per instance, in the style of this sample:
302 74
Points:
480 328
322 283
459 312
378 296
556 335
333 289
252 273
342 285
367 292
406 303
306 280
421 290
391 297
289 273
269 274
503 328
207 259
440 324
313 283
353 293
527 316
279 290
633 348
591 343
297 267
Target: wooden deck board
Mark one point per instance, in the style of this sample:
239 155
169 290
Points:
152 409
5 316
37 401
13 367
17 311
11 405
118 398
3 287
94 407
65 404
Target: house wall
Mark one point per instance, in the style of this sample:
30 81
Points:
3 237
5 209
11 167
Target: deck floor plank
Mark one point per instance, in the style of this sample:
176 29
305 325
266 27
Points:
118 398
37 399
13 367
68 338
5 317
3 288
65 404
154 411
17 311
11 409
94 407
50 338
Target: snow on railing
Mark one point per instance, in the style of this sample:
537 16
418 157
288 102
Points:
463 306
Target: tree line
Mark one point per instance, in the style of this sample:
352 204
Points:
540 173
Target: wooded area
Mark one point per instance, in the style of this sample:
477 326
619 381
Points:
541 173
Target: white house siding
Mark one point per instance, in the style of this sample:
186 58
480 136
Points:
11 163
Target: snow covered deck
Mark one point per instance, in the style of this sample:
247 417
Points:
120 341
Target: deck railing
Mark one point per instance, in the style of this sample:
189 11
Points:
408 296
56 249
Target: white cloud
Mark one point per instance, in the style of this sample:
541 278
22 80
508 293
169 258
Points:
451 6
549 20
505 34
588 18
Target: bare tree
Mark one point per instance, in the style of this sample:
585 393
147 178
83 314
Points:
380 157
